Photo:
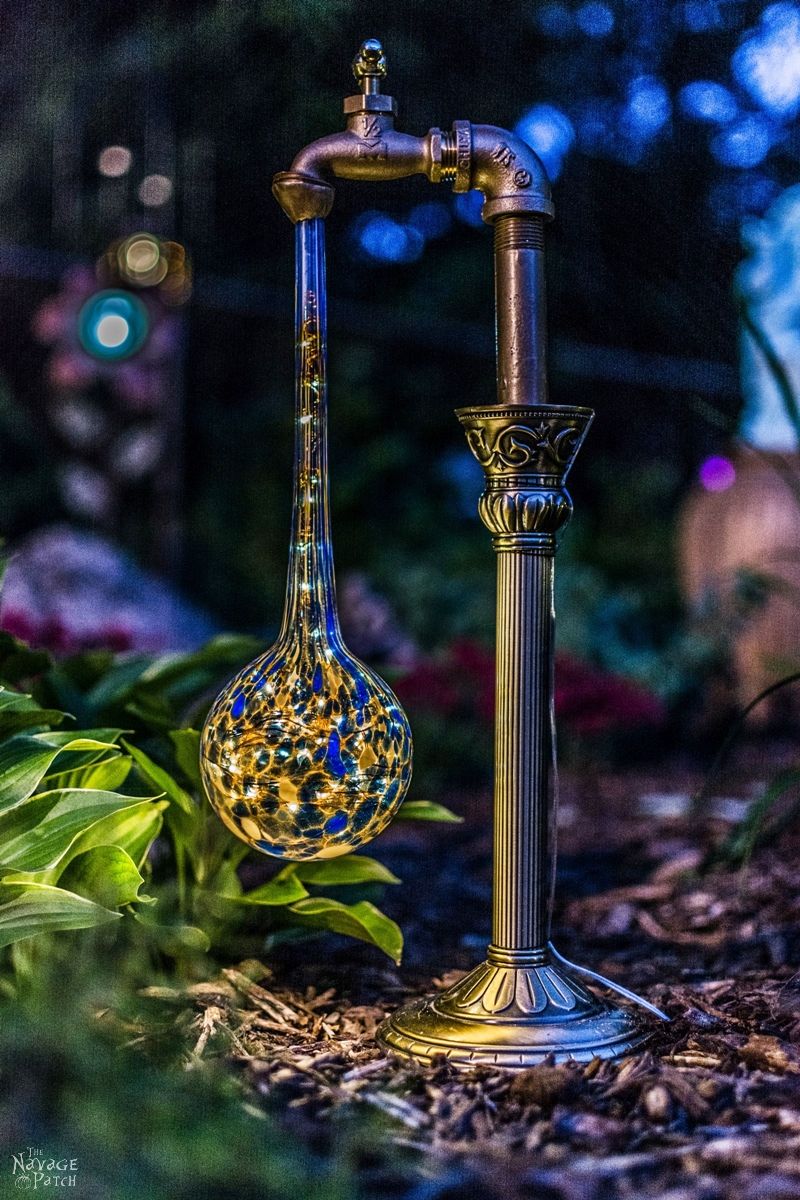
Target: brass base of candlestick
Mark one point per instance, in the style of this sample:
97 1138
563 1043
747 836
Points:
513 1016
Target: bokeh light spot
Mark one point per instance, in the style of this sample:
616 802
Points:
112 325
112 331
705 100
549 132
648 106
554 20
594 19
717 474
141 261
432 220
744 143
114 161
384 239
767 63
155 190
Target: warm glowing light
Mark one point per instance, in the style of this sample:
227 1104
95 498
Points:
141 260
319 739
114 161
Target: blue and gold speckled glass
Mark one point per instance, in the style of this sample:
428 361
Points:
307 753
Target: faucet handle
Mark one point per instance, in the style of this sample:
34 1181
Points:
369 66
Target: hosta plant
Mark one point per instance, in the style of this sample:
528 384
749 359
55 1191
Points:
109 821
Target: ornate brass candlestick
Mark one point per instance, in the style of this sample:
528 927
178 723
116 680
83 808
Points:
525 1001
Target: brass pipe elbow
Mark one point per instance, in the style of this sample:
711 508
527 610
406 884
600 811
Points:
510 175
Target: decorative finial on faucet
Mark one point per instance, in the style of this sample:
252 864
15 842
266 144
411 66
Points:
369 66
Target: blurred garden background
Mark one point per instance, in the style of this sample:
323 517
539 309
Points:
145 499
669 131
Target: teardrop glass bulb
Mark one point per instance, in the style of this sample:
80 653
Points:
307 753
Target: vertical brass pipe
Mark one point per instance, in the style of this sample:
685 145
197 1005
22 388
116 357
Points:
524 802
519 284
525 763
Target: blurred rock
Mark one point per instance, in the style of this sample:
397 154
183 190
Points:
370 625
69 590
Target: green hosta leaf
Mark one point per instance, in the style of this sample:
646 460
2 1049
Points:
184 818
20 711
105 874
225 882
97 738
172 681
107 774
347 869
31 718
285 888
116 684
175 940
187 754
363 921
40 908
133 829
221 651
156 776
26 758
18 661
153 711
426 810
38 834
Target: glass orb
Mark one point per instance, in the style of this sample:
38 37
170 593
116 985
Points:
306 754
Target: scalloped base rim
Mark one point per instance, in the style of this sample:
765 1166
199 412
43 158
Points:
419 1033
470 1024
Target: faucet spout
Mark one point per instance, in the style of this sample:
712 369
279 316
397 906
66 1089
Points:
369 149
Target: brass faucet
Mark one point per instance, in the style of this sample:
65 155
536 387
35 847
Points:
516 193
525 1001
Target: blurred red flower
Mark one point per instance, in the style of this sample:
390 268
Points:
588 699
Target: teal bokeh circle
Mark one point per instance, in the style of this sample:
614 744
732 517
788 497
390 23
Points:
113 325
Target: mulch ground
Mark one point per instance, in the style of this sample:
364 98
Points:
709 1110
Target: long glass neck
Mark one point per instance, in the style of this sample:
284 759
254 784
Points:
310 610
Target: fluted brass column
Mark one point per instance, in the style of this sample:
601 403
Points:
524 1002
526 452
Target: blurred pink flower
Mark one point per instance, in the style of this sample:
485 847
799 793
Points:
50 320
70 369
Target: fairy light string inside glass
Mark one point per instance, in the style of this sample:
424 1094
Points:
307 753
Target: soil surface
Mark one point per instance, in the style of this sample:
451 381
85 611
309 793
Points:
708 1110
